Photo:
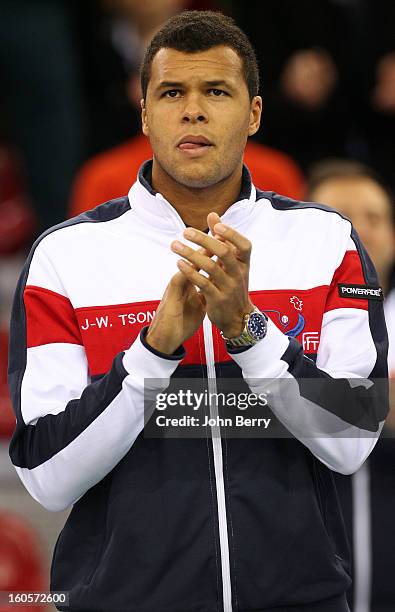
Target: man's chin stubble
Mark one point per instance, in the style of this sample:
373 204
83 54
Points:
199 179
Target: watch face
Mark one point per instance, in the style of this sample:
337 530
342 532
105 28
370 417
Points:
257 325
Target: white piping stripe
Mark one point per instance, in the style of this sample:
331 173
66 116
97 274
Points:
218 467
362 538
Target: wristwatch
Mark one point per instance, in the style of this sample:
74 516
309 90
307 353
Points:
255 328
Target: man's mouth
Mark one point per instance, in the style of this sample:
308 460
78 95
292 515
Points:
191 143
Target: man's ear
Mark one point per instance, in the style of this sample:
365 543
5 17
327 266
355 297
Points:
255 115
144 125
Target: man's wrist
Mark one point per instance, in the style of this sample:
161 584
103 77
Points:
158 344
236 329
233 332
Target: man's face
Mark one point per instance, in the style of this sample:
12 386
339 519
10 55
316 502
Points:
367 206
198 115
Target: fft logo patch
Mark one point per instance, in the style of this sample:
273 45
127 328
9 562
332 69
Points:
310 341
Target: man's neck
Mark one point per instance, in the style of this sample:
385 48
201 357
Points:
192 204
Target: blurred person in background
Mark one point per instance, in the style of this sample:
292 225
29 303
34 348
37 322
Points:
301 46
109 174
328 78
371 84
368 496
356 191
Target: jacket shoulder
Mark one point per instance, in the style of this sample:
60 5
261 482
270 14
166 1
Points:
103 213
283 203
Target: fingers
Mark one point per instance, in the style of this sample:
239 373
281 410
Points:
242 244
216 247
219 256
203 251
202 282
212 219
200 261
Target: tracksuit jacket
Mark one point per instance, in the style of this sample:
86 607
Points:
216 523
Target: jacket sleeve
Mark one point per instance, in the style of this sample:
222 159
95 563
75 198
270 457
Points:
70 432
337 404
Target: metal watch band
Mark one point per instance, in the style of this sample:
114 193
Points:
245 338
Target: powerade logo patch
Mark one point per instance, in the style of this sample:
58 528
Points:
362 292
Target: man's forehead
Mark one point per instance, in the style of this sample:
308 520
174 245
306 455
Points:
358 189
222 61
355 196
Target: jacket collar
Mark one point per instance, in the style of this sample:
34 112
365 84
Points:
151 207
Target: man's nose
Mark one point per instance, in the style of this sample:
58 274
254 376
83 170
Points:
194 112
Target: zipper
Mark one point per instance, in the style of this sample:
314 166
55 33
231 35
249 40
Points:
217 445
218 466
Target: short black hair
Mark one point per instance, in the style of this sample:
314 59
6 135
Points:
194 31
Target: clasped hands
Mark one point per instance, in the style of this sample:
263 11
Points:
223 294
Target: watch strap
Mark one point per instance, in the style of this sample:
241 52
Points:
245 339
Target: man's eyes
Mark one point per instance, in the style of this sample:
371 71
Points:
174 93
218 92
169 93
374 220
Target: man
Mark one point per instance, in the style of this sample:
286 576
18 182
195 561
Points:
359 193
210 523
368 497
